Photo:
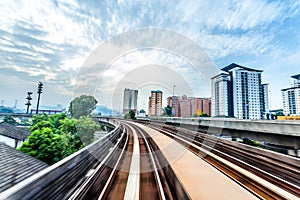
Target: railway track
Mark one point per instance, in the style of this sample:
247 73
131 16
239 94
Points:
132 171
128 164
281 171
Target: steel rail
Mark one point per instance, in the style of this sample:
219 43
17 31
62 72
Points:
252 185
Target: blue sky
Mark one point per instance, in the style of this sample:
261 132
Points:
49 41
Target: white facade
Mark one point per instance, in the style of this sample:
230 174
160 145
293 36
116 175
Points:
291 100
239 93
15 143
219 97
130 100
265 90
246 94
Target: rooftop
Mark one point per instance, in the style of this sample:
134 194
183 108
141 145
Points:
156 91
16 166
14 132
233 65
296 76
221 74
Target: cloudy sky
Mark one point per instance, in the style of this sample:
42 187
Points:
50 41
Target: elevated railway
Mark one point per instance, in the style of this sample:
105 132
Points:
131 162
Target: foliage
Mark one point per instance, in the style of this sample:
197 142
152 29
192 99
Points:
25 122
130 115
168 110
55 137
46 146
202 115
252 142
82 106
9 120
86 128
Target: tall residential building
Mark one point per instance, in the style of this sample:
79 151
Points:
221 100
130 100
155 103
291 98
189 106
265 98
239 92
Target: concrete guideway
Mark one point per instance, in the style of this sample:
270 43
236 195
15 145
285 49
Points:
274 131
201 180
133 182
260 183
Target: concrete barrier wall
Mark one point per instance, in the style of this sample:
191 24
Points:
278 132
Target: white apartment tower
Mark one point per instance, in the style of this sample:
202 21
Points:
130 100
291 98
246 97
220 95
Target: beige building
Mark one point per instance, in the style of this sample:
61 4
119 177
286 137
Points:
155 103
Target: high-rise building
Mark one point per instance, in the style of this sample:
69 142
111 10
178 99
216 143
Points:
221 100
155 103
291 98
239 92
130 100
265 98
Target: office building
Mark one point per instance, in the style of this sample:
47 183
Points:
155 103
238 92
130 100
291 98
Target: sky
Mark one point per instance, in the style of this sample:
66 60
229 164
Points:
55 41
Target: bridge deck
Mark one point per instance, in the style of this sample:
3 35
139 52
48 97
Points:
201 180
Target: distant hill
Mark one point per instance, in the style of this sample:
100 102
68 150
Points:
104 110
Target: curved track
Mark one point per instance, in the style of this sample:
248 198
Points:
132 171
279 170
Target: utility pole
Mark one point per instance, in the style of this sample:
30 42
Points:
39 91
28 103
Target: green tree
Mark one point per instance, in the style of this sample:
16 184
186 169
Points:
86 128
131 114
68 128
9 120
26 122
168 110
55 137
46 146
82 106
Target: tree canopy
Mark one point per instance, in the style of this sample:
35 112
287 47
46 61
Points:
82 106
168 110
55 137
130 115
9 120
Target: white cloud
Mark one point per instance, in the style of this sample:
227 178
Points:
70 30
232 14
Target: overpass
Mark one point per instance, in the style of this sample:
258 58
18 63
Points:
285 133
